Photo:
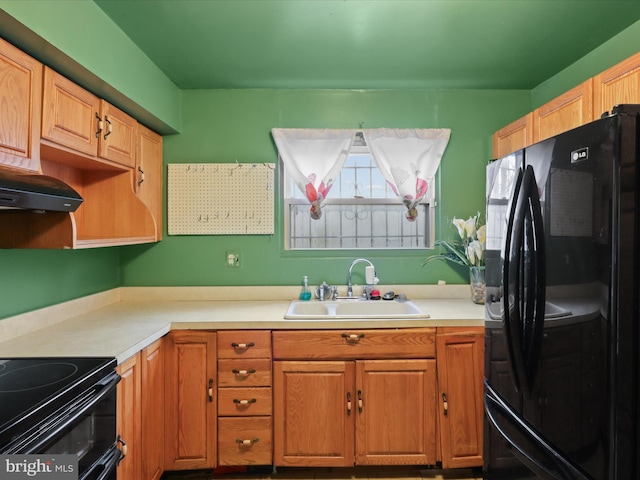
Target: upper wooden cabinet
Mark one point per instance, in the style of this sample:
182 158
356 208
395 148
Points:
148 176
619 84
77 119
514 136
569 110
20 89
51 125
582 104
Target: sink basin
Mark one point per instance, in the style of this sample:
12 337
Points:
353 309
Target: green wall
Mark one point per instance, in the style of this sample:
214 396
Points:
222 126
230 125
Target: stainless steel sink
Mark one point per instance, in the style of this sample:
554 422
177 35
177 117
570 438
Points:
353 309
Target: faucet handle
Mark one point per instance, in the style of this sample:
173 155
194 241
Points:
323 291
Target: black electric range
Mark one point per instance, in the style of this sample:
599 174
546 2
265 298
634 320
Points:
33 390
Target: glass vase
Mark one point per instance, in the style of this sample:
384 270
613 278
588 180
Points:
478 286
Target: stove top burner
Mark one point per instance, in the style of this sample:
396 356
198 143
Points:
36 376
33 388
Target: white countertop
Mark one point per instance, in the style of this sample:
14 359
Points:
121 322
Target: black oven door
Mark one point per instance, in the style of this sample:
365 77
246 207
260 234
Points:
85 427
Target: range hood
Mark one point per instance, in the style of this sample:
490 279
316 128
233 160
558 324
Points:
32 191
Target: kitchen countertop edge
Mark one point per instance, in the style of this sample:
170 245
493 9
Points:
122 322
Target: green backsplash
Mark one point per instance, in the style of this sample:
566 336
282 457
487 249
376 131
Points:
235 125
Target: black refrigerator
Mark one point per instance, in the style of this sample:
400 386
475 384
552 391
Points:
562 316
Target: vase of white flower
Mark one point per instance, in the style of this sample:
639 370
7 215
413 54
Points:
478 285
469 251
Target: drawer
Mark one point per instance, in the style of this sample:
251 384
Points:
244 344
239 402
244 441
355 344
241 372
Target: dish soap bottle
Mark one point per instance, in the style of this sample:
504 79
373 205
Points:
305 294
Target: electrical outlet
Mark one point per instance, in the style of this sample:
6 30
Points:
232 259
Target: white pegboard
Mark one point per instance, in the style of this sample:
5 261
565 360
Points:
220 198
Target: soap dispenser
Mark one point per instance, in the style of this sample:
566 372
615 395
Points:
305 294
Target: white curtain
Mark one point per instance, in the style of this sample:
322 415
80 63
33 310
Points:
408 160
313 158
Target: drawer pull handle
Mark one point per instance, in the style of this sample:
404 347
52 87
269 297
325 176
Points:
243 372
243 346
359 401
352 337
124 448
210 390
445 404
348 403
247 442
244 402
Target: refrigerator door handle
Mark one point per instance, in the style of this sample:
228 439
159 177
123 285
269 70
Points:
536 278
509 297
523 281
555 466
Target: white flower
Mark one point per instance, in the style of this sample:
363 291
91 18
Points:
459 224
470 227
482 234
475 251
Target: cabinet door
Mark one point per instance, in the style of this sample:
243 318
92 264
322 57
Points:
117 141
70 114
190 403
570 110
460 380
152 415
314 406
148 177
395 412
20 90
616 85
128 418
515 136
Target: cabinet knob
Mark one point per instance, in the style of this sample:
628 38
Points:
445 404
243 373
359 401
352 337
244 402
247 442
211 390
348 403
124 448
243 346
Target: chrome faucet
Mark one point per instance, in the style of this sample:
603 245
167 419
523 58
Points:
370 275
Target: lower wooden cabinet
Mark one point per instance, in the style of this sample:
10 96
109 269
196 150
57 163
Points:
190 400
140 416
460 360
226 402
334 412
128 418
244 398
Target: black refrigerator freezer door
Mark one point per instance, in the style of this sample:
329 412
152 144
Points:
527 445
524 281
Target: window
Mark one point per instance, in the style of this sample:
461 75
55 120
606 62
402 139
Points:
361 211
